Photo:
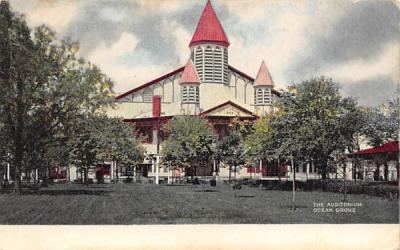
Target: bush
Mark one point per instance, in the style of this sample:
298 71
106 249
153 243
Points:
381 189
128 180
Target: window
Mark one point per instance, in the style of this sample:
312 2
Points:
148 95
184 94
226 72
262 96
190 94
208 72
198 61
217 65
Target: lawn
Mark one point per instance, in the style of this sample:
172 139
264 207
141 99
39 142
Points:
198 204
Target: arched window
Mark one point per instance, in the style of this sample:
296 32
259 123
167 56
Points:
148 95
190 94
267 96
218 65
226 72
259 97
208 63
198 61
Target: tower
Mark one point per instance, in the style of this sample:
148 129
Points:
209 48
263 85
190 90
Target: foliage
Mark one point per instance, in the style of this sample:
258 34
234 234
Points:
191 141
45 88
259 143
382 123
99 138
313 121
231 149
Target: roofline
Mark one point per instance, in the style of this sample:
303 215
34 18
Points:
148 118
145 85
369 151
225 44
225 103
149 83
251 79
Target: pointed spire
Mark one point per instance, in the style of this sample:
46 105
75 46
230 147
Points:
209 29
263 77
190 74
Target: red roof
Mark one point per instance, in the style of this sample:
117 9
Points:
263 77
190 74
390 147
209 29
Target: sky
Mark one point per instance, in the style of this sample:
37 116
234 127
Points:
356 43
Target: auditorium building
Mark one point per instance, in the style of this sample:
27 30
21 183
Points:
208 85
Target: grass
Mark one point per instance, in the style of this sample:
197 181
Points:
151 204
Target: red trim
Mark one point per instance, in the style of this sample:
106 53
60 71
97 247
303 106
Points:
149 83
390 147
226 103
224 44
148 119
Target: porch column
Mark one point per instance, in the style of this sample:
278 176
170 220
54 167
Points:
214 169
307 170
364 172
157 170
112 170
8 171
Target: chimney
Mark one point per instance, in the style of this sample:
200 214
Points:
156 106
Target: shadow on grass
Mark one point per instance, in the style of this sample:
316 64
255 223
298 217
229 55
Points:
73 192
55 192
297 206
207 191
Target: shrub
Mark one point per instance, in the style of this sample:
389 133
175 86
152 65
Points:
381 189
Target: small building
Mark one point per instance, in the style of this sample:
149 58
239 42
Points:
379 163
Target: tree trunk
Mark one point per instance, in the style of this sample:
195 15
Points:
19 128
322 166
85 172
116 170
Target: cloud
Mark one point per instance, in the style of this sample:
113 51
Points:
353 71
56 14
282 38
181 37
371 92
361 33
350 41
126 76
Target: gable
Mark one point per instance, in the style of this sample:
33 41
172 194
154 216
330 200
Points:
228 109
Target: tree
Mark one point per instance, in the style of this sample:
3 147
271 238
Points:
98 139
313 121
45 87
382 123
191 142
231 149
259 143
118 143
